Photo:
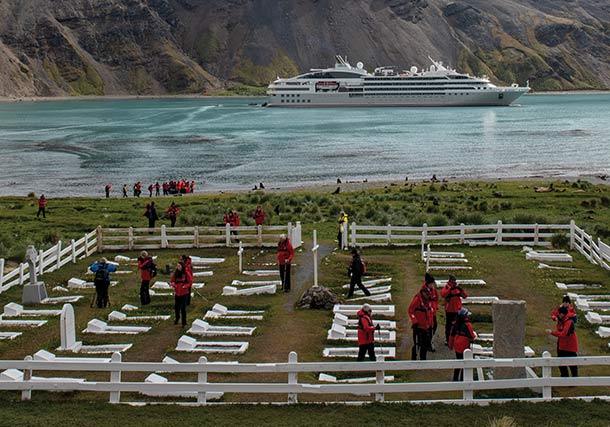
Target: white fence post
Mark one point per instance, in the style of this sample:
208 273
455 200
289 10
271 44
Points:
380 380
130 238
21 273
572 231
196 237
314 250
240 254
428 256
353 234
115 377
424 236
344 235
40 262
536 234
468 376
292 377
73 247
100 239
27 376
462 233
259 236
163 237
389 234
1 273
58 254
228 234
547 372
499 233
86 245
202 378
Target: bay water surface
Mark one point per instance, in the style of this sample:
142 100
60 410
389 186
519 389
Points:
75 147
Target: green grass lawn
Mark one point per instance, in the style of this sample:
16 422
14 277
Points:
286 328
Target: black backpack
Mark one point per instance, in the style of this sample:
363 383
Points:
100 275
153 269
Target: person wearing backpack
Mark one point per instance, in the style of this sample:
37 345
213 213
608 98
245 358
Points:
187 262
356 270
148 270
453 295
460 339
567 341
285 255
180 282
102 270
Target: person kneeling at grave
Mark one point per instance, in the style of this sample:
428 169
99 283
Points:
366 333
102 270
460 338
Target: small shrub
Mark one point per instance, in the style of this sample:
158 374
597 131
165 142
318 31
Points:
32 195
432 209
483 207
418 220
503 422
473 218
584 203
506 206
439 220
51 237
559 240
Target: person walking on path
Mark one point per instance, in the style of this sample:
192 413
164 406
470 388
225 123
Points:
42 206
430 284
341 224
151 214
355 270
180 282
125 191
567 341
107 190
102 270
258 215
285 254
453 295
188 268
146 267
420 312
172 213
366 333
460 339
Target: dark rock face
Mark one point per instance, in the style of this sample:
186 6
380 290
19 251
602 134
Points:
58 47
318 297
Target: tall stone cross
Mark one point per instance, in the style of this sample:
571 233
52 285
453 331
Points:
30 257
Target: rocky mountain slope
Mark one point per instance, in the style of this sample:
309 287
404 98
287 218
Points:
96 47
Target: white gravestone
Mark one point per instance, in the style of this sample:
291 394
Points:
34 292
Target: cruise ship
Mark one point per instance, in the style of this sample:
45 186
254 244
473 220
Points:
347 86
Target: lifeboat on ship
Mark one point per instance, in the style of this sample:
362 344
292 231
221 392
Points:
327 86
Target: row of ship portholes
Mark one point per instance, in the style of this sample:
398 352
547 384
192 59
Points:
295 100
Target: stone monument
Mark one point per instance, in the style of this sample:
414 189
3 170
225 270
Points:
509 335
34 292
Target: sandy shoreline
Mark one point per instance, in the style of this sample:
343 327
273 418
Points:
9 99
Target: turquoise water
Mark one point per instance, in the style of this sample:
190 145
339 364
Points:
76 147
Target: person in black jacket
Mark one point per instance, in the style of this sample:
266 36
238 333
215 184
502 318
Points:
356 270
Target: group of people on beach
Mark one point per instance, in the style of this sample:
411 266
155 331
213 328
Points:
459 333
169 188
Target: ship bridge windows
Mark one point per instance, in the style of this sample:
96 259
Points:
331 75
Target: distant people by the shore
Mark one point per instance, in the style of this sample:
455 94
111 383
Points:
107 190
42 206
167 188
172 213
125 190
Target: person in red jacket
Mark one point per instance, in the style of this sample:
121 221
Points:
188 267
453 295
567 341
430 284
259 215
172 213
285 254
420 312
567 303
42 206
460 338
180 282
145 265
232 218
366 333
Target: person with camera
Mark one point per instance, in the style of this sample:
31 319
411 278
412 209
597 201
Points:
420 312
453 295
461 337
285 254
366 333
148 270
567 341
355 271
180 282
102 270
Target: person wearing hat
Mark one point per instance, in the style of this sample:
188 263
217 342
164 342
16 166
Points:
102 270
453 295
460 338
567 341
341 223
285 254
420 312
430 284
355 270
366 333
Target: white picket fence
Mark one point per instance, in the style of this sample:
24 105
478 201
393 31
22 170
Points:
543 383
49 260
107 239
499 234
163 237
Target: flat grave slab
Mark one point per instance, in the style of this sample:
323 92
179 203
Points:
49 357
548 257
200 260
479 350
576 286
9 335
188 344
255 282
203 328
96 326
343 320
261 272
352 310
21 323
16 310
158 379
462 282
352 352
332 379
449 267
371 283
480 300
120 317
341 333
387 297
62 300
257 290
220 311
